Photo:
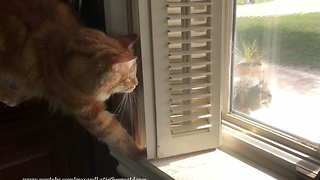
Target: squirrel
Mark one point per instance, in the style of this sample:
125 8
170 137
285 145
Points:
250 95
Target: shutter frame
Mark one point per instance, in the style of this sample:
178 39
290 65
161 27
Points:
171 139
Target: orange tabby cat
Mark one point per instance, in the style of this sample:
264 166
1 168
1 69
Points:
45 52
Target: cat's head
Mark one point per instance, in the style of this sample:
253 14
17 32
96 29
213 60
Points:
100 65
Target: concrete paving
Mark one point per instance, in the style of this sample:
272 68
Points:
295 103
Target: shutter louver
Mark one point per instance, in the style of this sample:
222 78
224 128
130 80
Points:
194 109
188 62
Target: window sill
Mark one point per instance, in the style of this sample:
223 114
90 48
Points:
220 164
238 158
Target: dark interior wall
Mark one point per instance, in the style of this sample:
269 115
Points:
92 12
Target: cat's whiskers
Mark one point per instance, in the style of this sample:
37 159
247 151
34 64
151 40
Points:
134 104
130 104
124 107
118 110
139 61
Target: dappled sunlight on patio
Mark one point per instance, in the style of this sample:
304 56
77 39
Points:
295 103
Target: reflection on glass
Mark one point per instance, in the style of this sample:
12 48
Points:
276 74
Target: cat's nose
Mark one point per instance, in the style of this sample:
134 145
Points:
135 82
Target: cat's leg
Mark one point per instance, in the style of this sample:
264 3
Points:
107 128
7 95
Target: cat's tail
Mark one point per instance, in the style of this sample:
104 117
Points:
106 127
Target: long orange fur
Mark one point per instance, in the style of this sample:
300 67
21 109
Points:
46 52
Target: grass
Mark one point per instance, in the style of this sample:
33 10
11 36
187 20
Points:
258 1
292 40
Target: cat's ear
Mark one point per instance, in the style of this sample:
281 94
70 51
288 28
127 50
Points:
127 41
123 62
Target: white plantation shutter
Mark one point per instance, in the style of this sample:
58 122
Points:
187 70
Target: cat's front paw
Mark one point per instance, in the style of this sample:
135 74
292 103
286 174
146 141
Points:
142 153
139 154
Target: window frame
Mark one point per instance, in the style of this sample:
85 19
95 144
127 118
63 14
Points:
241 121
280 145
274 151
147 134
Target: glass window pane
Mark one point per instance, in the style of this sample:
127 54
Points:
276 65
